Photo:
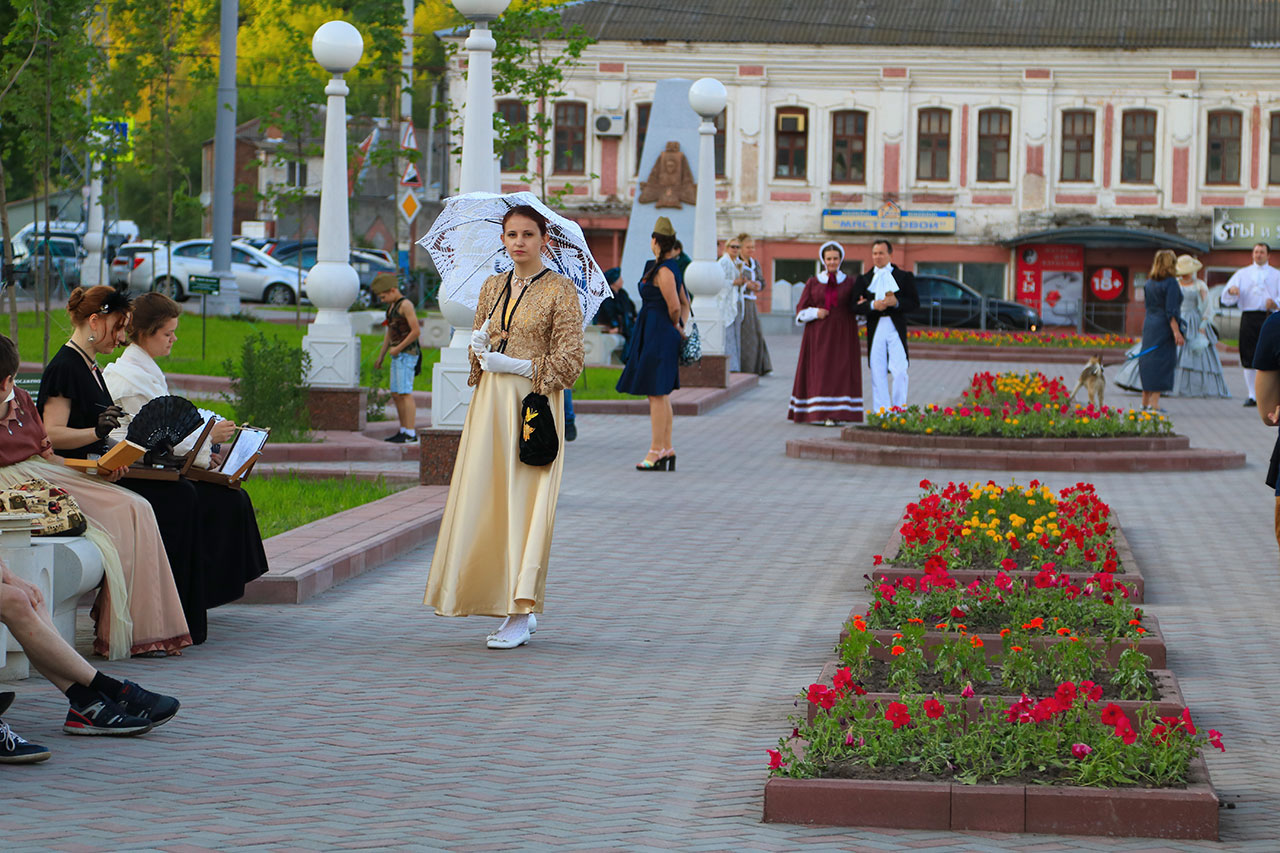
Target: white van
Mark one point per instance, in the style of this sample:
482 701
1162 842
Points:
118 232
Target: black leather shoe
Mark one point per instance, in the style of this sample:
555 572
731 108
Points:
1251 403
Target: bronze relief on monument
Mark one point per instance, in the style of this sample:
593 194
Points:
670 181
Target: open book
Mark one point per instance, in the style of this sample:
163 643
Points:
120 455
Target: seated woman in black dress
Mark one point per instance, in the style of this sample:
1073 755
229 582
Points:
653 368
233 555
73 395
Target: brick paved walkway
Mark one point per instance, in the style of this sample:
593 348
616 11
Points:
684 611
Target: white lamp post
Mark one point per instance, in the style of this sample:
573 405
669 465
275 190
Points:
332 284
92 266
450 394
704 277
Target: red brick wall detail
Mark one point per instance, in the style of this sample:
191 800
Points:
775 195
1271 202
1181 158
750 70
612 67
608 166
1182 74
1075 198
1137 199
891 167
1223 200
846 198
893 72
934 198
1036 74
993 199
1108 127
1035 160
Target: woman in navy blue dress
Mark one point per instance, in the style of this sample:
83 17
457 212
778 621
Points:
1161 334
653 368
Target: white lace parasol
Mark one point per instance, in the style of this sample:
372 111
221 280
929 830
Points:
466 245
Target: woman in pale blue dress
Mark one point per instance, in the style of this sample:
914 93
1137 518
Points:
1199 372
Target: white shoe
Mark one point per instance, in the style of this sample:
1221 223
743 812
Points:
533 626
511 642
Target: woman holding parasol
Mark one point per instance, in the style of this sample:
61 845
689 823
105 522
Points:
495 538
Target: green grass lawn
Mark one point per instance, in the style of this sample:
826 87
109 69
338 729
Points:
283 503
225 339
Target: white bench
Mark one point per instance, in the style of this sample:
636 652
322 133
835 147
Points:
63 567
600 346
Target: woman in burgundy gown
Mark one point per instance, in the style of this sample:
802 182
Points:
828 384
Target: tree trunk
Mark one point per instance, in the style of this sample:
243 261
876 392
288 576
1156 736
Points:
7 256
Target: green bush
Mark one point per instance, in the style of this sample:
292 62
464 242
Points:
269 388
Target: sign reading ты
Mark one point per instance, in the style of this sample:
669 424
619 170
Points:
1242 227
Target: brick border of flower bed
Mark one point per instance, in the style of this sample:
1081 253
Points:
1168 702
1010 457
1190 812
1131 577
868 435
1150 644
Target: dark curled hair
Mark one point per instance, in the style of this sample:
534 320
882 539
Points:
529 212
8 358
83 303
666 242
150 312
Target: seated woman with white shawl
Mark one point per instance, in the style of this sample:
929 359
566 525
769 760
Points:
137 610
234 556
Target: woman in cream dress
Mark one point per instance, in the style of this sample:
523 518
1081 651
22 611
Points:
495 538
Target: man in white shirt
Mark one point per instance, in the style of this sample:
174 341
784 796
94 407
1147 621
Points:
884 294
1256 289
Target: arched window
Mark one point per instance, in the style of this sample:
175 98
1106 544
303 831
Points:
570 147
933 145
515 157
994 129
1222 164
1138 147
849 147
1077 145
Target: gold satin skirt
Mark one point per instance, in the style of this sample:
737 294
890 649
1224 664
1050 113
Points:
495 537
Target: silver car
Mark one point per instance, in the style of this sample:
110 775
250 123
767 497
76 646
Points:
1226 318
260 277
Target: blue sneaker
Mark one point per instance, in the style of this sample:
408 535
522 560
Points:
103 717
14 749
156 708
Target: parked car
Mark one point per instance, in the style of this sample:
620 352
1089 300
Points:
118 232
948 302
366 265
64 256
128 258
1226 318
261 278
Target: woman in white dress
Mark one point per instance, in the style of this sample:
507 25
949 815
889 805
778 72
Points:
1199 372
730 301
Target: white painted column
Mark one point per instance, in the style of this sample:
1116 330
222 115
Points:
450 394
332 284
704 277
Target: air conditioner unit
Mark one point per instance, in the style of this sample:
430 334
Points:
610 124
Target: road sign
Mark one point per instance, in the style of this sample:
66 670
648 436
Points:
205 284
410 177
409 206
408 139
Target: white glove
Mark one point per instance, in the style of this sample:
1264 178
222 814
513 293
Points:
480 338
806 315
496 362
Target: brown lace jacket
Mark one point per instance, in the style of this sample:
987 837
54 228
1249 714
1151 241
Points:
546 328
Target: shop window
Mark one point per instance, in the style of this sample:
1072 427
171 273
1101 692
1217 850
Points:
642 129
791 134
933 145
515 157
571 138
1138 147
1274 149
849 147
994 128
1077 145
1223 163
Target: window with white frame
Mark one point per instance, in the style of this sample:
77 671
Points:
1138 147
995 127
1222 155
933 145
1077 146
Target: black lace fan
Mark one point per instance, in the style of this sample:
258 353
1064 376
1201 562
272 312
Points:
164 422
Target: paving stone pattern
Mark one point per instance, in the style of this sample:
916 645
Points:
683 613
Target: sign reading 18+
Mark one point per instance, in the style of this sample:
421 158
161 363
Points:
1106 283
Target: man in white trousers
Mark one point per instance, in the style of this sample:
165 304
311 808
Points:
885 294
1256 289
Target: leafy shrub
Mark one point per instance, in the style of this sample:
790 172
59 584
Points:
269 387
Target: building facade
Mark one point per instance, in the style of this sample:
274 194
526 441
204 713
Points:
972 151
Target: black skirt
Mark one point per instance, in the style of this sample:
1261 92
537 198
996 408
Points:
177 509
233 554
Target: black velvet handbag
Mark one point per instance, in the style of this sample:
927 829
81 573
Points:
539 443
